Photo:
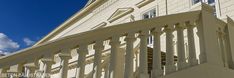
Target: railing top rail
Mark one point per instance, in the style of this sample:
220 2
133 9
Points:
91 36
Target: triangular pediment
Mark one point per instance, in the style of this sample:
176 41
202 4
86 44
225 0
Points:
120 13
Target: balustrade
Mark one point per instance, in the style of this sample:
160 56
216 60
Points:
123 62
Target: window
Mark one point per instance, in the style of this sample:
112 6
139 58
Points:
211 1
195 1
148 15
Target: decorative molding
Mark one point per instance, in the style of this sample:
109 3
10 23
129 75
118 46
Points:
143 3
120 13
101 25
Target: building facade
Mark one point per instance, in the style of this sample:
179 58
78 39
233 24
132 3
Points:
135 39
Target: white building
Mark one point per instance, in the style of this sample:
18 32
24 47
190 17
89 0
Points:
134 39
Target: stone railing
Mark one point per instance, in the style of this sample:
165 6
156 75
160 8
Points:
207 50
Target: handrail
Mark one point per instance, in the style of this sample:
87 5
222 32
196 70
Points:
88 37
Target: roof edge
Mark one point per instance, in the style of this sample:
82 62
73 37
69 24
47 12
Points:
73 19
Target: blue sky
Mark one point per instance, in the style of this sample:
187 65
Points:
23 22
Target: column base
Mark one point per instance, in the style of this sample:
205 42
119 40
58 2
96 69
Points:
170 69
182 65
193 62
157 73
143 75
202 58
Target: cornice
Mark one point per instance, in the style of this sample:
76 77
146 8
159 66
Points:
73 19
99 25
143 3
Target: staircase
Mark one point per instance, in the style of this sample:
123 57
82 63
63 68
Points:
116 54
150 59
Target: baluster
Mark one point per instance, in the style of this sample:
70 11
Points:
129 55
64 56
157 67
82 51
115 70
47 67
3 72
19 69
143 68
170 66
180 47
222 47
191 43
31 68
200 32
106 71
97 62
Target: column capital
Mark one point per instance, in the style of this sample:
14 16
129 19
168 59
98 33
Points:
83 49
64 56
157 31
180 26
115 40
190 24
4 69
168 28
31 66
144 33
130 37
99 45
48 61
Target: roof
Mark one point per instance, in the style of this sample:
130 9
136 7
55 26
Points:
90 2
90 6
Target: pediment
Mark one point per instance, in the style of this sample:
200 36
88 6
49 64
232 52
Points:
120 13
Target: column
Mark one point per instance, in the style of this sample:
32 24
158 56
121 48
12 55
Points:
48 62
191 43
64 56
180 47
82 51
170 66
98 59
157 67
129 57
115 70
143 68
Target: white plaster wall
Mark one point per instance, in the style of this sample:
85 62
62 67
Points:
102 13
226 8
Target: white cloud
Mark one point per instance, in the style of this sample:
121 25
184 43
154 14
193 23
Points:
28 41
7 45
